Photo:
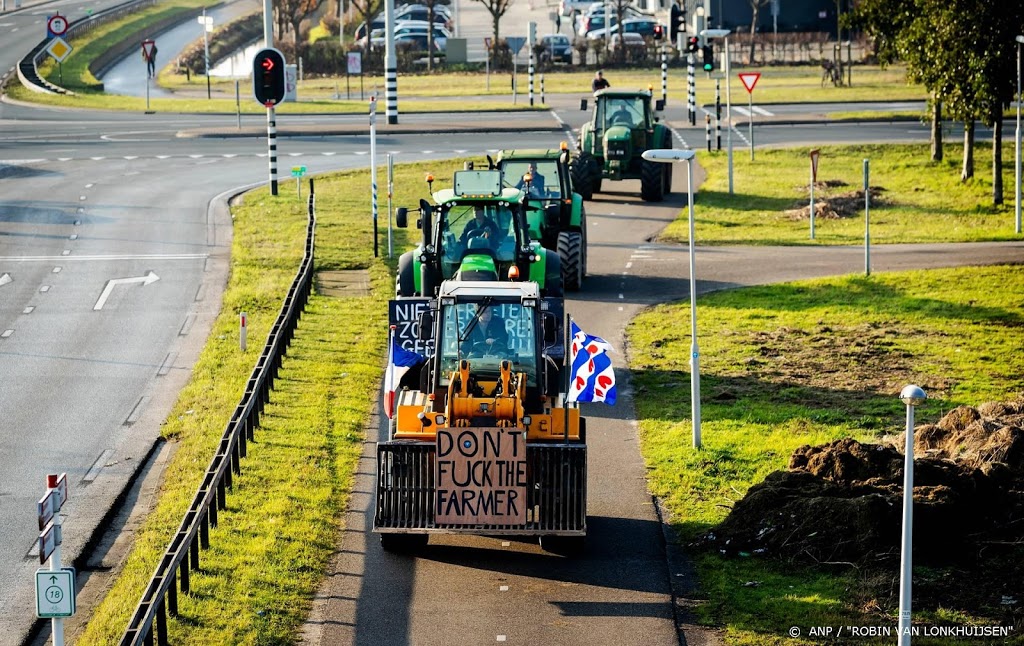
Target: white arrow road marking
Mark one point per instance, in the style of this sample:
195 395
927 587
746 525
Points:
6 278
145 280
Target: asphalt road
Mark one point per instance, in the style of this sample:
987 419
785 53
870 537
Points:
90 197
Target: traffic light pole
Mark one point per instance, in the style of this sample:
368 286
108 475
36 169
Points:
272 147
390 63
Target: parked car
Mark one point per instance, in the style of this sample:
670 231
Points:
557 49
594 18
644 27
419 12
441 35
566 7
415 42
632 42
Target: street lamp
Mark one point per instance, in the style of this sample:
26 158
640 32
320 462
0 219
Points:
1016 165
667 156
912 396
724 34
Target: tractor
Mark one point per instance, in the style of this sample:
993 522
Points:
481 439
555 213
452 248
622 127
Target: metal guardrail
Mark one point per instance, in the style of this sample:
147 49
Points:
183 552
28 72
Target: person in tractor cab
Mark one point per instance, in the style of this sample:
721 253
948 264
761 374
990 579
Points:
536 183
481 227
622 116
487 333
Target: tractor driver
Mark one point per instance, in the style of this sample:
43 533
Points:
487 333
481 226
622 116
536 183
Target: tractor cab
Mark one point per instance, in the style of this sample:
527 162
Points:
476 230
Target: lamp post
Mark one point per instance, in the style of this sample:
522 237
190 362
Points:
667 156
1016 164
912 396
724 34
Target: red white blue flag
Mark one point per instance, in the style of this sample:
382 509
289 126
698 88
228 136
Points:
591 378
399 362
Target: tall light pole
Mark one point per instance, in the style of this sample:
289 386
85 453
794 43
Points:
724 34
1016 165
912 396
667 156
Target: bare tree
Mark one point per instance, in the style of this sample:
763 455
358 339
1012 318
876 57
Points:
497 9
430 30
368 9
293 12
755 6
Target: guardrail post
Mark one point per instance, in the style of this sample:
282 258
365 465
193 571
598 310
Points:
193 553
161 624
221 494
204 530
172 596
185 581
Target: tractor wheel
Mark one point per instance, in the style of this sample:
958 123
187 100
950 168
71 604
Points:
585 175
403 543
552 275
563 545
583 231
570 249
652 181
405 281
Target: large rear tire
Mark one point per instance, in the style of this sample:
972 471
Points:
668 167
405 282
570 546
552 274
570 249
403 543
585 175
652 181
583 230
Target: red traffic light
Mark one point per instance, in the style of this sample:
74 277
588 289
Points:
267 64
268 77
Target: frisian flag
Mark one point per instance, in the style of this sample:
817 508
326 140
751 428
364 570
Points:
399 362
591 378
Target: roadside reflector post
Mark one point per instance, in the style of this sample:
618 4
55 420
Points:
867 220
243 324
911 396
814 178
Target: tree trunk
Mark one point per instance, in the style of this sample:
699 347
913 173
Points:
936 128
496 17
755 5
968 168
430 36
997 160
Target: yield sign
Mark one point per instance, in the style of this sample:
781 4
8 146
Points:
749 80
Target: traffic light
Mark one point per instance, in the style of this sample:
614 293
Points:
692 44
268 84
659 32
709 57
676 22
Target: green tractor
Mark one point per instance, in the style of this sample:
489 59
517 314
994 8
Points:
623 126
476 230
554 213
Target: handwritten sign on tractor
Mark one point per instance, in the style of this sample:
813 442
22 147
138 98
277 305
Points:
481 476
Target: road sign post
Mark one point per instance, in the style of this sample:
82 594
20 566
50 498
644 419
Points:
297 173
814 178
749 80
373 169
55 587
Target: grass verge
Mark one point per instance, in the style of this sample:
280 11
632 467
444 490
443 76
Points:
913 199
269 549
806 363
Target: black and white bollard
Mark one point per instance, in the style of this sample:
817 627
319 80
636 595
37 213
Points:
691 89
707 130
664 76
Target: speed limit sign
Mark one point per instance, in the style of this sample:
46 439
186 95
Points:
57 25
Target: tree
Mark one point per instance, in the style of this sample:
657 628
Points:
755 6
369 10
293 12
430 30
497 9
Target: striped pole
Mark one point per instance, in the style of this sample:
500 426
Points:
542 89
718 111
390 64
707 129
664 75
530 73
691 89
272 148
373 168
391 89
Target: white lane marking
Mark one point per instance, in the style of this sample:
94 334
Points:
4 279
145 280
137 410
6 333
502 638
506 543
760 110
503 588
629 264
165 367
169 256
89 185
66 252
98 465
56 270
621 297
81 197
28 310
44 288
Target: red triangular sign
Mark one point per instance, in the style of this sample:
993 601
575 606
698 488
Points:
749 80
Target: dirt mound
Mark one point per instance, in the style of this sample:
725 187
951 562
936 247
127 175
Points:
831 206
842 502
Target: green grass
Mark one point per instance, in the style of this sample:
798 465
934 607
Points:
268 552
806 363
920 200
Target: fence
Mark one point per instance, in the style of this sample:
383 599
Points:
182 555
